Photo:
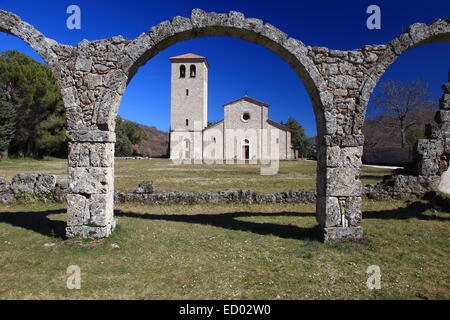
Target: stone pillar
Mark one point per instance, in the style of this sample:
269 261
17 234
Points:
443 118
432 154
338 208
90 210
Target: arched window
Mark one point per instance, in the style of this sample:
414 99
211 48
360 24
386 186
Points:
182 71
193 71
187 92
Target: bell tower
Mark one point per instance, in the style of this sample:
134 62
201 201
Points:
188 106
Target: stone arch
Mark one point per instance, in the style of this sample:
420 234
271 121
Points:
52 52
13 25
93 77
233 24
294 52
416 35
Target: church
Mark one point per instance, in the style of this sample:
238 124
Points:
245 133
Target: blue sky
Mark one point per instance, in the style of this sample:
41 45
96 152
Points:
238 66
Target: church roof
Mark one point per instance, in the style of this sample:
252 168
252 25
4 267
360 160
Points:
248 99
278 125
214 124
191 57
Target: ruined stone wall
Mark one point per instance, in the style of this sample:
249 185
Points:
46 187
148 193
29 187
433 153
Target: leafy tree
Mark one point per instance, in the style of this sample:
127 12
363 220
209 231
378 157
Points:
40 115
401 100
135 133
128 136
51 135
7 124
123 147
299 140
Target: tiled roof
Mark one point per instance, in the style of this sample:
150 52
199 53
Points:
190 56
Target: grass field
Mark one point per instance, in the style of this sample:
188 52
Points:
217 251
293 175
232 252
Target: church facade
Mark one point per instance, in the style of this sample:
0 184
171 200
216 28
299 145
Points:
245 133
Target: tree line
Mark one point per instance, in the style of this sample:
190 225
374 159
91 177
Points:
32 113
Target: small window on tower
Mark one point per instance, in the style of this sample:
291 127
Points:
278 140
182 71
187 92
214 139
193 71
187 122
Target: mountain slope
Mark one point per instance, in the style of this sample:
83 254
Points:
156 143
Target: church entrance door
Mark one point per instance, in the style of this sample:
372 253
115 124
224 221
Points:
245 150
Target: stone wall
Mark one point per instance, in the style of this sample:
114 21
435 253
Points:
433 153
30 187
148 193
401 186
133 158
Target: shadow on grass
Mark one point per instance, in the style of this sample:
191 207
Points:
37 221
413 210
229 221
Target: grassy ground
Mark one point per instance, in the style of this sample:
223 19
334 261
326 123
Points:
293 175
221 251
226 252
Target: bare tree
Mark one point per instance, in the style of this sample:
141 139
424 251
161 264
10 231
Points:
398 103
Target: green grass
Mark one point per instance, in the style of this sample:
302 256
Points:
217 251
226 252
292 175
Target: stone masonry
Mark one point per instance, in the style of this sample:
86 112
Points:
433 153
93 77
46 187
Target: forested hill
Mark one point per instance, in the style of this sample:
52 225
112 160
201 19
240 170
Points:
156 142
